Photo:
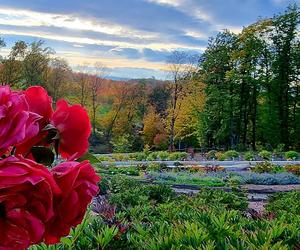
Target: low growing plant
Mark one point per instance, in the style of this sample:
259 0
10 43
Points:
249 156
291 155
266 155
266 167
294 169
163 155
231 154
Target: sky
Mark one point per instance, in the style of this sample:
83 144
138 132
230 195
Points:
132 38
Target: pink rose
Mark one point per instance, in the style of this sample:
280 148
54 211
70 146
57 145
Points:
17 123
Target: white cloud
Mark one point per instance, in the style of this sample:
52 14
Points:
91 41
189 7
28 18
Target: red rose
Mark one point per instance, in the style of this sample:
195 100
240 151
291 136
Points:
17 123
40 103
74 128
79 184
26 202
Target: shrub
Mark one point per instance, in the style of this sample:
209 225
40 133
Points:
249 156
291 155
266 167
220 156
267 178
131 170
160 193
178 156
231 154
278 151
211 154
294 169
213 168
266 155
119 183
155 166
152 156
163 155
197 169
285 202
139 156
103 158
120 157
121 144
103 186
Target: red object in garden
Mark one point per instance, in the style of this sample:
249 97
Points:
74 129
37 204
79 184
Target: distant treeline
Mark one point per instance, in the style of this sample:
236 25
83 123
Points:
241 93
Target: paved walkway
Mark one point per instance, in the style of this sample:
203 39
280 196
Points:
230 165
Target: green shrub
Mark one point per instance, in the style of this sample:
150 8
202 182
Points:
163 155
103 158
266 167
152 156
266 155
103 186
139 156
249 156
120 157
159 193
178 156
231 154
291 155
119 183
278 151
285 202
155 166
121 144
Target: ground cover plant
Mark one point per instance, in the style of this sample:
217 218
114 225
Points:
213 176
136 216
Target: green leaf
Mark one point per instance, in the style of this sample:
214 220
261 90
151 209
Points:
42 155
90 157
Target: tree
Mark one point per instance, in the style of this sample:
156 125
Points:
12 68
159 98
82 80
35 63
96 81
58 77
219 119
285 38
181 66
153 125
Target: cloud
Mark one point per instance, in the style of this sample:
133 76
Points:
127 34
188 7
32 18
156 45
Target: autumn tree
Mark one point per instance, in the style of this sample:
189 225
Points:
181 67
82 81
96 80
153 126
